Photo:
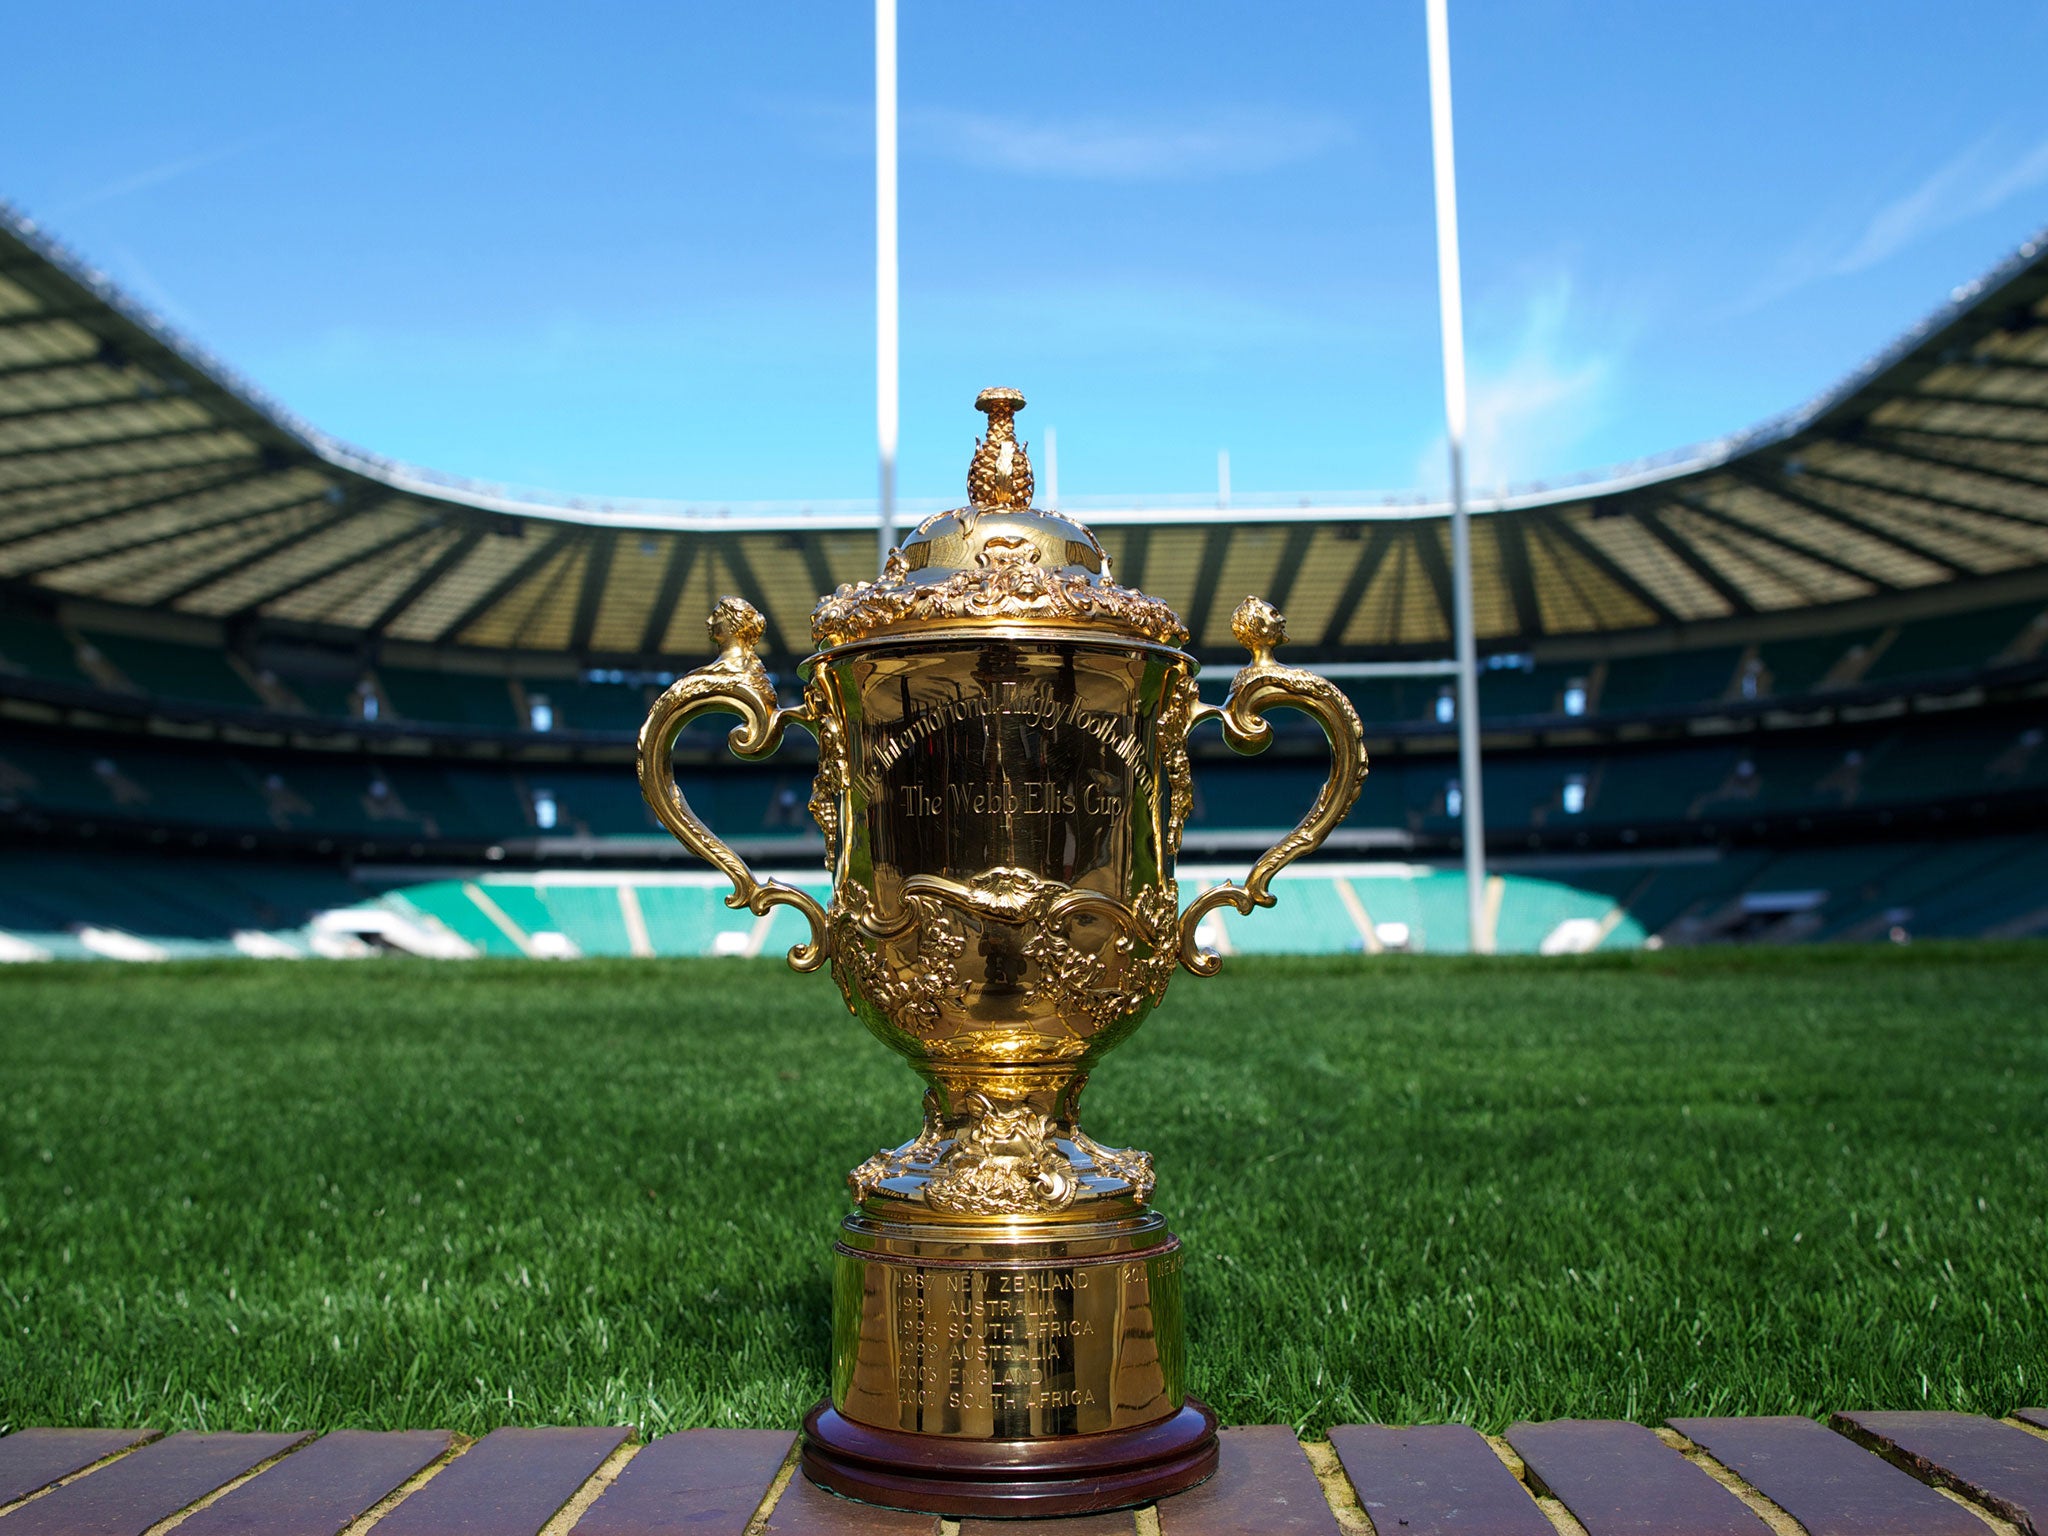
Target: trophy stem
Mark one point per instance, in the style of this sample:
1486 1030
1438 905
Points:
1009 1147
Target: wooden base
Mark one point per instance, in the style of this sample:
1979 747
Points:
1010 1479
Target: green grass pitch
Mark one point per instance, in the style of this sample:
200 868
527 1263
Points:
237 1195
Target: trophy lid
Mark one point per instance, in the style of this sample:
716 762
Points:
997 560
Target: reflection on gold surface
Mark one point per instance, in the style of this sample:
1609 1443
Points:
941 1334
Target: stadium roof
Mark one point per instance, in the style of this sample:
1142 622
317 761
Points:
135 470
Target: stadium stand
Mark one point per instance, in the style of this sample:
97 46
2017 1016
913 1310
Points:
261 693
1855 778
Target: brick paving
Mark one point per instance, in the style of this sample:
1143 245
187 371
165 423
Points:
1861 1474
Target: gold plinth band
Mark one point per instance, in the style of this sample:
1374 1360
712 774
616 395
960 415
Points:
1008 1335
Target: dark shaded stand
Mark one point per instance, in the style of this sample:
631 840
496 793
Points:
1073 1475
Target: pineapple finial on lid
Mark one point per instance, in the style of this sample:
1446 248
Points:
1000 474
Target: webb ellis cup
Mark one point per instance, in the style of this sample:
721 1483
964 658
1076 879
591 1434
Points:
1002 782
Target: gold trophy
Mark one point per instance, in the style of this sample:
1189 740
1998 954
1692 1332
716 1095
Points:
1002 782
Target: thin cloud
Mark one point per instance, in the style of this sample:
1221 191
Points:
1109 149
1975 181
1979 178
156 176
2029 172
1533 401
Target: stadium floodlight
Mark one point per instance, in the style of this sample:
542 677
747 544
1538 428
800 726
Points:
885 271
1451 305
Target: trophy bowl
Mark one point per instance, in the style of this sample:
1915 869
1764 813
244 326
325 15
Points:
1003 778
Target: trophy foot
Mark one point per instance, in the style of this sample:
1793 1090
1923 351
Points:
1062 1475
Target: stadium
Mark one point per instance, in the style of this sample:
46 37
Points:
1710 1080
266 694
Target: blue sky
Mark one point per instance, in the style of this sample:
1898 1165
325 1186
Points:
627 249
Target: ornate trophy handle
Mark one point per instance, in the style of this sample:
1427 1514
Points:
1258 687
737 682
